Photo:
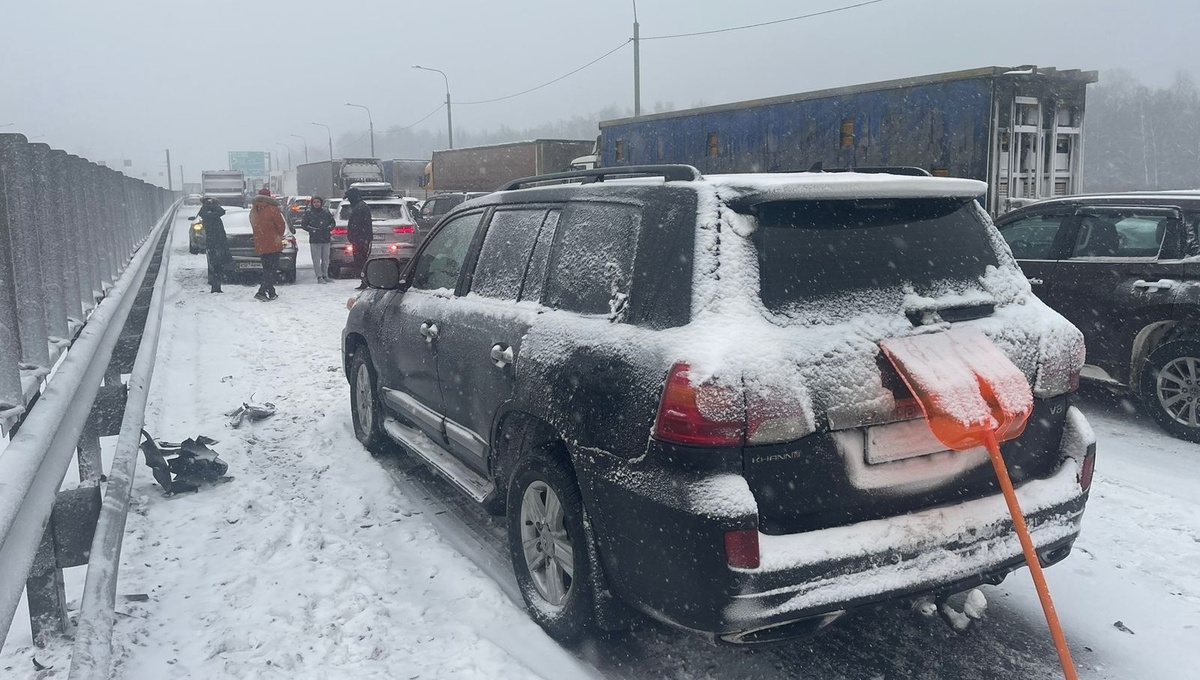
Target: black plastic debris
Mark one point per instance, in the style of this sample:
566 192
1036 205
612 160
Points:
184 466
251 412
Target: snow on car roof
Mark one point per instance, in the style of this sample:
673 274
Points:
841 186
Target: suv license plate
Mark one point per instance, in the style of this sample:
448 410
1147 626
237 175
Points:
900 441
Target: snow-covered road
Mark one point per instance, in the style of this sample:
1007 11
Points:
319 561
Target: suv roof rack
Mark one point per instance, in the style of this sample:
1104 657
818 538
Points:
909 170
671 173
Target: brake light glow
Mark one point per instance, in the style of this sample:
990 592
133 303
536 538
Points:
393 248
700 415
1086 472
297 208
403 229
339 231
349 247
741 549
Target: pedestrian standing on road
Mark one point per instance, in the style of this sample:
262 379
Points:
360 232
216 244
318 222
269 227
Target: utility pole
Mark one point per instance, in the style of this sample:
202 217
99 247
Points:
370 122
305 142
449 117
170 184
637 65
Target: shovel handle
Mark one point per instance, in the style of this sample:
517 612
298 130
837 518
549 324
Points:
1031 558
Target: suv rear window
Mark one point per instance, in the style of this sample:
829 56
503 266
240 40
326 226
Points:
810 249
591 265
379 211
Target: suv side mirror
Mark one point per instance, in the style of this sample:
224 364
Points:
384 273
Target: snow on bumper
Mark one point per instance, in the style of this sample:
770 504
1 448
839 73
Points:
812 573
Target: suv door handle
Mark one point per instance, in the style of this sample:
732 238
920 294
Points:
429 330
501 355
1152 286
1036 282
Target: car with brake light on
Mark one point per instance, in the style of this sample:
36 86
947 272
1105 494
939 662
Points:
672 386
293 210
393 227
240 236
1125 269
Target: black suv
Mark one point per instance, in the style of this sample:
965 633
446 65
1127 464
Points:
673 387
439 204
1124 269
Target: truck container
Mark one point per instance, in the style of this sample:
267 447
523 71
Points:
485 168
331 178
406 175
227 186
1018 129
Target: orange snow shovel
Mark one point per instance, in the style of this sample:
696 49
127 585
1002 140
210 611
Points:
972 396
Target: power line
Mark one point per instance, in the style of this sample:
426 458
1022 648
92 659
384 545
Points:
764 23
423 119
565 75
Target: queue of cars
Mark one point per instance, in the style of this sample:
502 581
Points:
240 237
672 386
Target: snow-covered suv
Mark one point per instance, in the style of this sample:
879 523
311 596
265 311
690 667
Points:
673 386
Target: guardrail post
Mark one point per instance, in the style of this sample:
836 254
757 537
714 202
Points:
89 280
65 235
12 399
46 213
16 157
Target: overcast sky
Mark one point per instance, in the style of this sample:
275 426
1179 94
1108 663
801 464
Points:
130 78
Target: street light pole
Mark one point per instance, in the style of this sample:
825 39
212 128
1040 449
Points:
449 115
330 133
170 184
305 142
369 122
637 65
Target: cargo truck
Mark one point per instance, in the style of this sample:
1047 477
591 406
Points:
1018 129
227 186
331 178
406 175
485 168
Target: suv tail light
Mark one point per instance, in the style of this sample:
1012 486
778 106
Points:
741 549
1086 472
700 415
403 229
339 231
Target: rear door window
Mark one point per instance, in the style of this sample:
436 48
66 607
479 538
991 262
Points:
591 264
1033 237
811 249
507 248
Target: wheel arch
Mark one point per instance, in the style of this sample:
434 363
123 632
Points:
1150 338
350 344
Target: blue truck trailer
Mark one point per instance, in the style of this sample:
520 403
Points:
1018 129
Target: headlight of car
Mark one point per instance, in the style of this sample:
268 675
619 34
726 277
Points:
197 226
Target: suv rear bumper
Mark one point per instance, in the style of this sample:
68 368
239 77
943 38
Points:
667 558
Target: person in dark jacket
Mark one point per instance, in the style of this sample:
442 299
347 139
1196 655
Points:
318 222
359 231
215 242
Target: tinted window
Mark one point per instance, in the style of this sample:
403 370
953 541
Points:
1032 238
441 261
505 254
592 262
809 249
1124 233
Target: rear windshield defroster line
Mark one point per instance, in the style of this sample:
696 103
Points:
812 249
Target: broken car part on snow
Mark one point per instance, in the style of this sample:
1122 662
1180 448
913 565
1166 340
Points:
184 466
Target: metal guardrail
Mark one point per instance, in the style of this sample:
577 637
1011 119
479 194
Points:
76 241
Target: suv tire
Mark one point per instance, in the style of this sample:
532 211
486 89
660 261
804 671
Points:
365 412
1171 388
545 512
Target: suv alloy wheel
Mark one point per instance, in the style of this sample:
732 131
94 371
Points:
548 546
1171 388
364 403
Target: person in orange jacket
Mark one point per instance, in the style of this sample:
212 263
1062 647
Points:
269 226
